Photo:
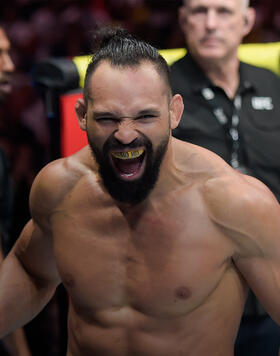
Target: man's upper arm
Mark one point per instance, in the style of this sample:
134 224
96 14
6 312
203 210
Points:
28 275
250 215
34 248
34 251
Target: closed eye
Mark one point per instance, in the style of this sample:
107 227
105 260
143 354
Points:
147 116
224 11
107 121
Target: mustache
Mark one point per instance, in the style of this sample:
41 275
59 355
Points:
212 37
113 144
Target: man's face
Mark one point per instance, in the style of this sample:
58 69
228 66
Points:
128 128
6 66
214 28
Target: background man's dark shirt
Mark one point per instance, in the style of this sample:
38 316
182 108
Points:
258 109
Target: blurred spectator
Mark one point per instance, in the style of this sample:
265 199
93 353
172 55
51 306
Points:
14 344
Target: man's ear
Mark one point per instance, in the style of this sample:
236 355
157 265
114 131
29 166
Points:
80 108
249 20
176 109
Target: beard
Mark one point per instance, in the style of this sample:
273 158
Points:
132 192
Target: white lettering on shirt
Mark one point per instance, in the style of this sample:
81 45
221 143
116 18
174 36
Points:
208 93
262 103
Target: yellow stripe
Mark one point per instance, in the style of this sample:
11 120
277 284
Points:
259 54
81 63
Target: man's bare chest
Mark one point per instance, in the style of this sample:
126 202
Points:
158 263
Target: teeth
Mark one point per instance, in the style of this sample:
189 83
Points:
127 154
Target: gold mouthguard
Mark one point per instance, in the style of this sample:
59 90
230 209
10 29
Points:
128 154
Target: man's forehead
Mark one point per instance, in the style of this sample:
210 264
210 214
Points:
127 84
107 68
137 77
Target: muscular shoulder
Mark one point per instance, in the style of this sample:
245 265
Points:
198 161
242 205
55 180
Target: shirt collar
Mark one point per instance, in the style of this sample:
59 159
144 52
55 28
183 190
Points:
200 80
245 84
195 74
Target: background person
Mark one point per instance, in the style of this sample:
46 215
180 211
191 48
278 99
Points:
14 344
233 109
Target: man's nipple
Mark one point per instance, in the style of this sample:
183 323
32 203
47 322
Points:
182 293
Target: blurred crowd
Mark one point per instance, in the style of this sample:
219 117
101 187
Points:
39 29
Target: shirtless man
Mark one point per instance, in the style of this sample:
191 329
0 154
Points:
154 239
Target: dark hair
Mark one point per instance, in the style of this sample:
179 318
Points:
122 49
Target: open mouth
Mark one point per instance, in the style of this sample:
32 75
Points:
130 164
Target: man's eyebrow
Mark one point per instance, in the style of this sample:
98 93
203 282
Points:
98 114
101 114
149 111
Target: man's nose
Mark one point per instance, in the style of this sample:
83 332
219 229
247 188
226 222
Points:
211 20
6 63
126 132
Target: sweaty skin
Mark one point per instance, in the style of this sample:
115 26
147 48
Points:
163 277
158 279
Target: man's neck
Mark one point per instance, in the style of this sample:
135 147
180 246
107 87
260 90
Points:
223 74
